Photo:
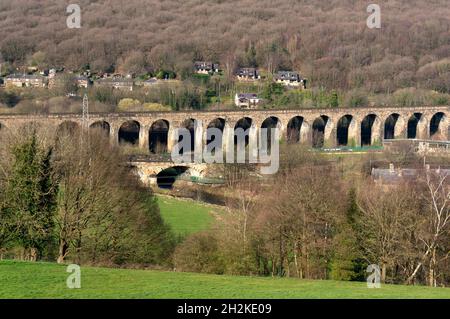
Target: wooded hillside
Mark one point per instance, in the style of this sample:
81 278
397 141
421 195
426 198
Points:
327 40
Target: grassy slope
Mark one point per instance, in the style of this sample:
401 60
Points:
186 216
47 280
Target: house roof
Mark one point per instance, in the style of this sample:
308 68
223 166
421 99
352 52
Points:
247 96
205 65
247 72
288 75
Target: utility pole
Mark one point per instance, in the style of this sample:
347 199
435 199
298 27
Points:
84 134
85 117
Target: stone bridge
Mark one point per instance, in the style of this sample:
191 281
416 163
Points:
154 132
155 173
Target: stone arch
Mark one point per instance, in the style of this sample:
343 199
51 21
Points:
370 130
320 131
188 124
67 128
345 130
394 126
101 127
244 123
129 132
438 129
416 127
167 177
159 137
218 123
294 129
270 123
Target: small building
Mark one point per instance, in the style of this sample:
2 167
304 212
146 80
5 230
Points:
116 83
248 74
395 175
204 67
290 78
25 80
247 100
82 81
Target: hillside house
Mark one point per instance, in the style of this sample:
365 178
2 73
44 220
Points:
203 67
394 175
248 74
290 78
247 100
82 81
25 80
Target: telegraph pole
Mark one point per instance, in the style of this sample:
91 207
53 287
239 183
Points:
85 117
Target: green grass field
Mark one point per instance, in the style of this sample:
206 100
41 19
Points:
186 216
48 280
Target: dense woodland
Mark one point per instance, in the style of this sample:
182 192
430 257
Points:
327 41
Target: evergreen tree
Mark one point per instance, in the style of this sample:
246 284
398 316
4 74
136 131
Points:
29 195
347 263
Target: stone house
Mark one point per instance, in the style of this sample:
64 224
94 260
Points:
205 67
248 74
25 80
290 78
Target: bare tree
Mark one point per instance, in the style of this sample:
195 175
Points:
387 221
435 228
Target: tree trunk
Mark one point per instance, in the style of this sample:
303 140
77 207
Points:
295 260
33 254
383 272
62 251
431 271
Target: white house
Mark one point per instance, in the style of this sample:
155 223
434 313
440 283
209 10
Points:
246 100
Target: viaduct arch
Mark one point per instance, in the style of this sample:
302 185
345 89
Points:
154 132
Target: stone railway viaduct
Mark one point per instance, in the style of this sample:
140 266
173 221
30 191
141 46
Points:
154 132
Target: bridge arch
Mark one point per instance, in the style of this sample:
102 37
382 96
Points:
159 137
218 123
320 129
67 128
370 130
394 126
244 123
188 124
295 128
129 132
416 127
167 177
101 127
439 126
346 131
270 123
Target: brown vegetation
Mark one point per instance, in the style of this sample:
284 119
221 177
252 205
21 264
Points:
327 40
